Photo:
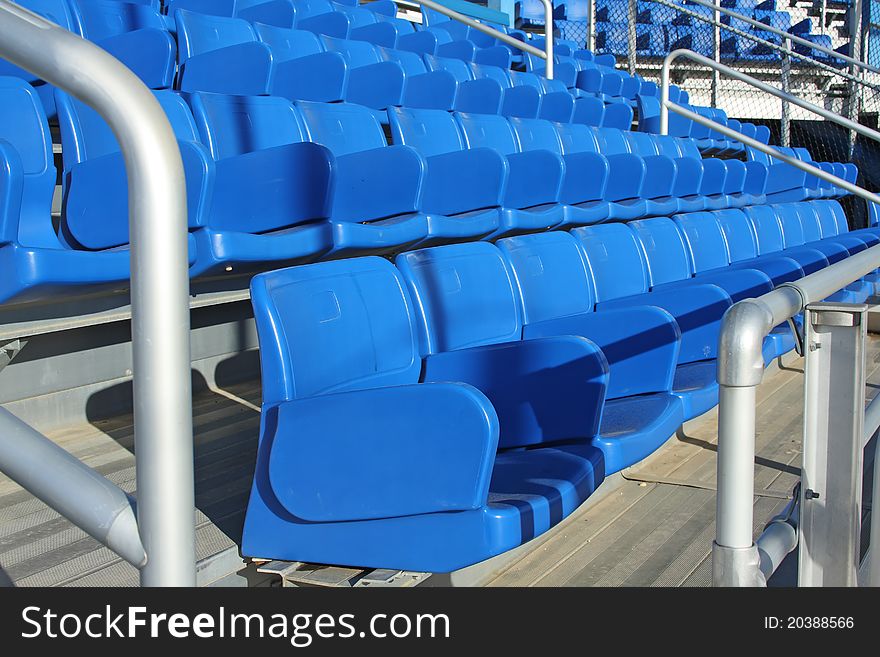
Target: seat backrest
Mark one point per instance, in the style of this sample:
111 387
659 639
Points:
615 260
60 12
642 143
742 239
793 233
105 18
827 221
25 211
342 127
665 250
489 72
612 141
463 294
836 210
550 273
334 326
201 33
809 220
355 53
577 138
668 145
767 228
85 135
411 62
287 43
309 8
488 131
429 131
536 135
458 68
705 240
234 125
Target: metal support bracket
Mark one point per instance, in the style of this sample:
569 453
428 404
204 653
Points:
831 475
9 350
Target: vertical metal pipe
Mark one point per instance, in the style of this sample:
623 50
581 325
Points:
736 466
631 18
716 53
548 37
159 277
664 94
853 89
785 121
591 26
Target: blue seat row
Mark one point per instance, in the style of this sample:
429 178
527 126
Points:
533 368
272 182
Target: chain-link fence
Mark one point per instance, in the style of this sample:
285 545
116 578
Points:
640 33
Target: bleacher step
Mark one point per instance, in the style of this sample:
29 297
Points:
299 574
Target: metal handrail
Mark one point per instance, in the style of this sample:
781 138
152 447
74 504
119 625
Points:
740 370
546 54
159 299
666 105
769 44
786 35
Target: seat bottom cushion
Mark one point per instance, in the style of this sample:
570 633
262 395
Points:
633 427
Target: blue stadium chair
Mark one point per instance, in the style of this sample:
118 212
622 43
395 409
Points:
221 55
483 95
555 284
254 197
344 371
448 283
621 277
531 199
38 262
408 195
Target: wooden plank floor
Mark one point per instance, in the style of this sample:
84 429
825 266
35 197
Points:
657 528
40 548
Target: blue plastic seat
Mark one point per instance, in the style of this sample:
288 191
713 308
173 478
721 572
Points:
449 283
622 277
408 195
254 195
531 197
221 55
37 261
342 347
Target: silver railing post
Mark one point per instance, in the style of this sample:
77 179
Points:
546 53
548 38
785 119
716 53
736 559
159 278
853 88
591 26
831 474
631 37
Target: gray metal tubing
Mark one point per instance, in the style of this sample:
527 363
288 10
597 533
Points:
159 277
774 544
787 35
741 369
736 467
748 79
547 53
91 502
772 152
